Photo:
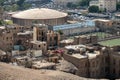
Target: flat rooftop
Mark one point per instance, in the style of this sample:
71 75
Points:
79 56
25 33
104 20
75 47
38 42
67 41
87 23
93 55
86 54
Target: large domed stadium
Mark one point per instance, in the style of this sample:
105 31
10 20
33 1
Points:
39 15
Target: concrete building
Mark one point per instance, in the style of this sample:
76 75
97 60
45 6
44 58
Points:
39 45
66 42
41 16
112 26
115 62
107 5
14 35
86 59
103 24
76 28
6 41
41 33
94 61
53 39
94 3
23 38
85 39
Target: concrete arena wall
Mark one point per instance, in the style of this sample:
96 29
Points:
28 22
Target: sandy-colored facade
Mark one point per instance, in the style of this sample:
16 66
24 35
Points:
85 39
109 5
41 33
103 24
7 36
105 5
95 62
39 45
53 38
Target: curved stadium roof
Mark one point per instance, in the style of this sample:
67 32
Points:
39 13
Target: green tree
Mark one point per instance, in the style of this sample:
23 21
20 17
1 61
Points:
2 2
20 4
84 2
93 9
14 7
26 5
71 5
60 32
118 6
1 23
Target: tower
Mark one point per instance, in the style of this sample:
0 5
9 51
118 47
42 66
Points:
39 32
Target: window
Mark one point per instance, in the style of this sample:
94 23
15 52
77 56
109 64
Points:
44 44
50 38
10 44
119 72
7 38
11 38
113 61
114 71
39 46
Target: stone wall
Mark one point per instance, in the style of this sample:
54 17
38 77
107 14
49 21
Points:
81 64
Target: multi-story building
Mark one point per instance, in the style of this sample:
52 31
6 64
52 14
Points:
39 45
85 39
24 38
41 33
53 39
76 28
103 24
109 5
105 5
94 61
7 36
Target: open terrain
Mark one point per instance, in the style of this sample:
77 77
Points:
110 43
